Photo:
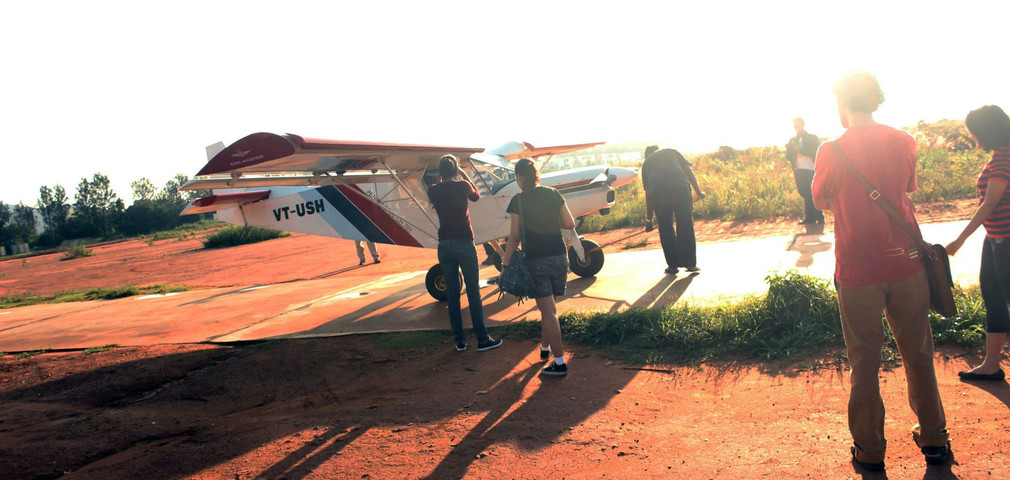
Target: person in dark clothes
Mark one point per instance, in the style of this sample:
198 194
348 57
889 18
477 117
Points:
456 251
544 214
648 208
990 127
668 180
802 153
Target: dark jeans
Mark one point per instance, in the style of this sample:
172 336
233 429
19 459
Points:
453 256
804 178
678 244
994 281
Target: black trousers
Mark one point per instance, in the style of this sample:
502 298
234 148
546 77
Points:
804 178
994 281
678 243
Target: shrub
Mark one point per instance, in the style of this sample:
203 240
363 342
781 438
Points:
234 235
798 315
77 250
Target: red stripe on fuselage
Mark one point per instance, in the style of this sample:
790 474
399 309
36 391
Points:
571 185
379 216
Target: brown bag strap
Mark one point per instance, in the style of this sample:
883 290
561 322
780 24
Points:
881 201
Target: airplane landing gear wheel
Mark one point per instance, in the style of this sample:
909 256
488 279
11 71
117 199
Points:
434 281
593 263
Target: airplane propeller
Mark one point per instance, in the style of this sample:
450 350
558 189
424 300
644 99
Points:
604 178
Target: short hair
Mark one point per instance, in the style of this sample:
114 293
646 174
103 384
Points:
990 126
800 119
528 170
448 167
650 150
859 91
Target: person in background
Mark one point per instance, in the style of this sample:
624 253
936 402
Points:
456 251
648 208
361 251
801 152
544 214
990 128
668 179
878 270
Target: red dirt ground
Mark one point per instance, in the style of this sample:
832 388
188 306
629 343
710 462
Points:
408 406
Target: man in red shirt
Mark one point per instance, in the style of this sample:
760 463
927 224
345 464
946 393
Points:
878 270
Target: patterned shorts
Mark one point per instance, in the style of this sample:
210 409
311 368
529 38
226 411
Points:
550 275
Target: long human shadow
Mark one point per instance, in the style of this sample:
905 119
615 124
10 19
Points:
548 409
206 407
667 291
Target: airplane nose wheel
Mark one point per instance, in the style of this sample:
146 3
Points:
593 262
435 282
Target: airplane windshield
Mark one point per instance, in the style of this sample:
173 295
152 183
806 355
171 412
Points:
489 177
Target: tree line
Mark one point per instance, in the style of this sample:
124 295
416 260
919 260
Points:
97 212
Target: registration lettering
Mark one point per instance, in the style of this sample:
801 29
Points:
301 209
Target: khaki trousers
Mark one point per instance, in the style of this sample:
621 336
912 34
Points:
906 305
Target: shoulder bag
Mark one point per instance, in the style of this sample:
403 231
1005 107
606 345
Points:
516 278
941 295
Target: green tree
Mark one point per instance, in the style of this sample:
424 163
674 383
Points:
5 215
96 207
143 189
54 207
23 223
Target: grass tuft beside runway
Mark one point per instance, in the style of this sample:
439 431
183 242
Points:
93 294
798 316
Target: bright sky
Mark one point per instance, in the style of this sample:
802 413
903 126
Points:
138 89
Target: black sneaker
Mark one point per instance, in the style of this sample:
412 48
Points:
545 354
693 269
489 344
937 455
460 346
555 370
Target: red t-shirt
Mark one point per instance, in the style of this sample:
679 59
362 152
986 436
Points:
869 247
997 224
450 202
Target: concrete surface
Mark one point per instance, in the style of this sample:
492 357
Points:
344 304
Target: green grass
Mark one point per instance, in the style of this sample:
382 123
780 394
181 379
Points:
182 232
234 235
103 348
798 316
77 250
32 353
85 295
757 183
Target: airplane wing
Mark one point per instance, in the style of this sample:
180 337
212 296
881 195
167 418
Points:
516 150
265 153
221 201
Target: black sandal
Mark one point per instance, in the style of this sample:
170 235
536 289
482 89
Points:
873 467
937 455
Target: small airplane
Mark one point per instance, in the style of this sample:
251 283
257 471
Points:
377 192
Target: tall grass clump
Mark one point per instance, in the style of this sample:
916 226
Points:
235 235
77 250
757 183
798 315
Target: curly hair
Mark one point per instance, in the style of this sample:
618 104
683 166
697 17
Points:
859 91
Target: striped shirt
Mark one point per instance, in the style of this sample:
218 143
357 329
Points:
997 224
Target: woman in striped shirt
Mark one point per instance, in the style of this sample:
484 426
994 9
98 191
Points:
990 127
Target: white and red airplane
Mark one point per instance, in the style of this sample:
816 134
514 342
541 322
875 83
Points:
377 192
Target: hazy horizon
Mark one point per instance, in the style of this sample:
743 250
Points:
135 90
